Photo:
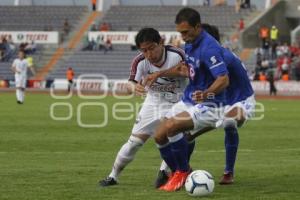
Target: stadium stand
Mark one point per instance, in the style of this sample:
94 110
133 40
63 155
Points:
115 64
36 18
162 17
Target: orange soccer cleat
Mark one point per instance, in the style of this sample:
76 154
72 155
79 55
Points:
175 182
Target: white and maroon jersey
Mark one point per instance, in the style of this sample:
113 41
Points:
21 66
169 89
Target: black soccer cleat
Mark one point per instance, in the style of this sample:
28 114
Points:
108 181
162 178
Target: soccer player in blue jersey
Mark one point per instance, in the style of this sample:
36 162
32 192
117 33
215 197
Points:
208 77
240 105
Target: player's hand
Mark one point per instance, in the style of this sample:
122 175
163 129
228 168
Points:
150 79
139 89
198 96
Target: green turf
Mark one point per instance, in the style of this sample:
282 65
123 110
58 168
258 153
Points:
45 159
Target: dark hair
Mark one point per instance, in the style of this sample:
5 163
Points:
189 15
147 35
212 30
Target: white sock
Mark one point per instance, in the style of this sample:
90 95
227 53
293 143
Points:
22 95
125 155
163 166
18 94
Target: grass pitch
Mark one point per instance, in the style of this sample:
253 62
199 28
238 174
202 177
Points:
42 158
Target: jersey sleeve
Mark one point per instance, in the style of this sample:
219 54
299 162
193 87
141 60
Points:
137 69
214 62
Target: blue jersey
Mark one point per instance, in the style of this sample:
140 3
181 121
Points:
205 60
239 88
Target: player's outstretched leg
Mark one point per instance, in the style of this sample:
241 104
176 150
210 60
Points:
231 147
176 151
124 157
233 119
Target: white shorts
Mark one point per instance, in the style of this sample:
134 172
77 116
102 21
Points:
248 106
203 116
20 81
150 116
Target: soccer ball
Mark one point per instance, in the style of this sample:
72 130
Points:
199 183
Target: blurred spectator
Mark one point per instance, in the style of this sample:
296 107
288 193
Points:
273 50
264 33
271 80
285 49
246 4
262 76
294 50
274 41
86 44
241 24
93 45
93 27
94 4
104 27
7 48
274 34
30 64
237 6
30 48
266 48
70 76
285 77
11 44
265 65
108 45
100 43
66 27
285 66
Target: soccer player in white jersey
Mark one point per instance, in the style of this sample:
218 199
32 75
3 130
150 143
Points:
19 67
154 56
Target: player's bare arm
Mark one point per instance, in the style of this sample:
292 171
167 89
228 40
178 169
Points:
136 88
218 85
14 69
179 70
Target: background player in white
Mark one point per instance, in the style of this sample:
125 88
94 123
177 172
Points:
160 97
19 67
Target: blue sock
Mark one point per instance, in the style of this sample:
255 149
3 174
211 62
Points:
179 147
167 155
231 146
191 147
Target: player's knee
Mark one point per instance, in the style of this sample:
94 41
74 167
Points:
229 123
135 143
170 127
160 139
